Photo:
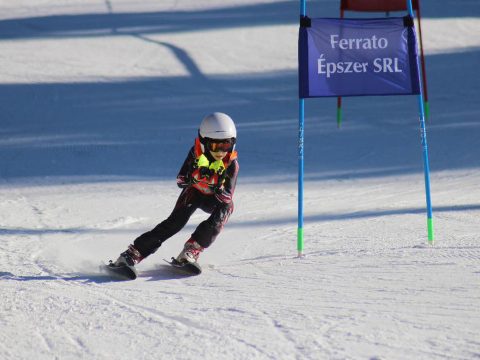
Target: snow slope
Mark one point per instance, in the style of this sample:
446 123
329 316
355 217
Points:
99 103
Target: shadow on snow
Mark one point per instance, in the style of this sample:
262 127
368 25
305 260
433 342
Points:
143 128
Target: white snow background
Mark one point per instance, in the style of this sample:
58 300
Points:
100 101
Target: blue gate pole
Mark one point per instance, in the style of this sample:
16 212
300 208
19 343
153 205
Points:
301 123
423 130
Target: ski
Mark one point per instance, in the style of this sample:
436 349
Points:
190 268
123 272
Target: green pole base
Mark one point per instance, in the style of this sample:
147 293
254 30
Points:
300 242
339 117
430 230
427 110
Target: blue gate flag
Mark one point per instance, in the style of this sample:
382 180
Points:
356 57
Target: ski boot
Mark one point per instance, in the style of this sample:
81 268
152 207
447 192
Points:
190 253
124 266
187 260
130 257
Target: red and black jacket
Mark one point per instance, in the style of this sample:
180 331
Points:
189 175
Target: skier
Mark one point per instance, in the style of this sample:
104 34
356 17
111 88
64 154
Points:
207 179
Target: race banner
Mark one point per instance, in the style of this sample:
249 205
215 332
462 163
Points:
357 57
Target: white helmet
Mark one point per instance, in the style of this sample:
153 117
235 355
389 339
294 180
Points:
217 126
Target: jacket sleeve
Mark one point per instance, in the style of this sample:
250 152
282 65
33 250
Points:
225 193
183 177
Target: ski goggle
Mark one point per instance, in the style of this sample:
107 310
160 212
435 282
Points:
215 145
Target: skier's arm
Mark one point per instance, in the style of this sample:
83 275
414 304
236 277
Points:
183 177
225 193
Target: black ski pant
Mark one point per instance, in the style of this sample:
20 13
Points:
189 200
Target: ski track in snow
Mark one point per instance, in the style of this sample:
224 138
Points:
100 102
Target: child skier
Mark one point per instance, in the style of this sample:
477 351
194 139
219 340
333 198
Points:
207 179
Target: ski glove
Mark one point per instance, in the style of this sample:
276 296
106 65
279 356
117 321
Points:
184 181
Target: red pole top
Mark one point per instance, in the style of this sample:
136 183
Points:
377 5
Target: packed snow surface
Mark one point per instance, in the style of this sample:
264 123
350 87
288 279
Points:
100 101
